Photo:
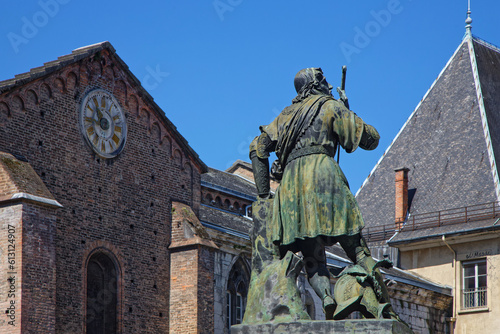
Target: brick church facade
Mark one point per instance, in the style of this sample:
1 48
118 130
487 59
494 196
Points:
85 238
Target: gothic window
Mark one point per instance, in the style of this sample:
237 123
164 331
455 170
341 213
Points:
218 202
227 204
236 294
208 199
236 206
102 291
474 284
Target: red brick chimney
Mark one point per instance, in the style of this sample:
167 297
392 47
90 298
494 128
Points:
401 195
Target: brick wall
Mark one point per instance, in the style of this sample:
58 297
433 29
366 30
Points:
39 269
235 204
10 291
125 201
184 290
192 274
191 296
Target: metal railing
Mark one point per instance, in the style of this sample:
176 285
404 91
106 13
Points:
379 233
435 219
474 298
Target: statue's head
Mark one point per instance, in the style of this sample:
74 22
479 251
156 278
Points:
311 81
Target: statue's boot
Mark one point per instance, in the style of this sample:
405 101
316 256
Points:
357 250
371 266
322 287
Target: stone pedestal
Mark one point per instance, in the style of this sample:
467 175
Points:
364 326
273 294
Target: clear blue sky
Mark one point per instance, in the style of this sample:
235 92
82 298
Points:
225 67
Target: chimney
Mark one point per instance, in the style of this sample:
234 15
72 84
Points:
401 195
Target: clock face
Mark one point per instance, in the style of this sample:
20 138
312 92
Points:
103 123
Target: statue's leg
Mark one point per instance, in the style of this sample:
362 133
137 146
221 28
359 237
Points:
357 250
318 274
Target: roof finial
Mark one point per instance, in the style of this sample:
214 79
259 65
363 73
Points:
468 21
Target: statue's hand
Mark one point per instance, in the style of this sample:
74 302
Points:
343 97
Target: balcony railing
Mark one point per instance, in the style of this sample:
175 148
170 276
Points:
474 298
435 219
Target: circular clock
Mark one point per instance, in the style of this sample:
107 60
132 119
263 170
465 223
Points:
103 124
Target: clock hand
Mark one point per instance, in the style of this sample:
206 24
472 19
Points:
109 111
96 104
91 120
99 113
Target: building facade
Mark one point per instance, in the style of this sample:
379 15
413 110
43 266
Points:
436 212
111 223
90 169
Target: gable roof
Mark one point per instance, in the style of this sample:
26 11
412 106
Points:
229 183
88 51
225 221
449 142
18 181
239 164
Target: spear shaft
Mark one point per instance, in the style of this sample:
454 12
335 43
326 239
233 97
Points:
342 87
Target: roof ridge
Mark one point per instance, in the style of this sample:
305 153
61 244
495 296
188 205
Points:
53 65
92 46
410 117
486 44
238 162
484 117
232 174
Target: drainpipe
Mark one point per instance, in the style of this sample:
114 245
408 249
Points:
456 294
247 209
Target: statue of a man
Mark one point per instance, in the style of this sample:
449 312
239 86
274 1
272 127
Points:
313 206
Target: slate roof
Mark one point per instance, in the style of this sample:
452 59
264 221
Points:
487 225
227 220
229 183
87 51
449 143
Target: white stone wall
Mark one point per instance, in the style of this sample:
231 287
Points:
423 310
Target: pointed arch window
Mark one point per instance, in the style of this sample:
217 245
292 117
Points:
236 294
102 295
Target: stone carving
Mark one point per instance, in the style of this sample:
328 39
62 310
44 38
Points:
312 208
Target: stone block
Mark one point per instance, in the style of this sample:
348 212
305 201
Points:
363 326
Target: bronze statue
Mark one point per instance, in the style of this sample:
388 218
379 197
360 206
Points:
313 206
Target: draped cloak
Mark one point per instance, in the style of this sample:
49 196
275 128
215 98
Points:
313 199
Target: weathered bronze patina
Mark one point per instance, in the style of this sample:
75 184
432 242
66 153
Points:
313 207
